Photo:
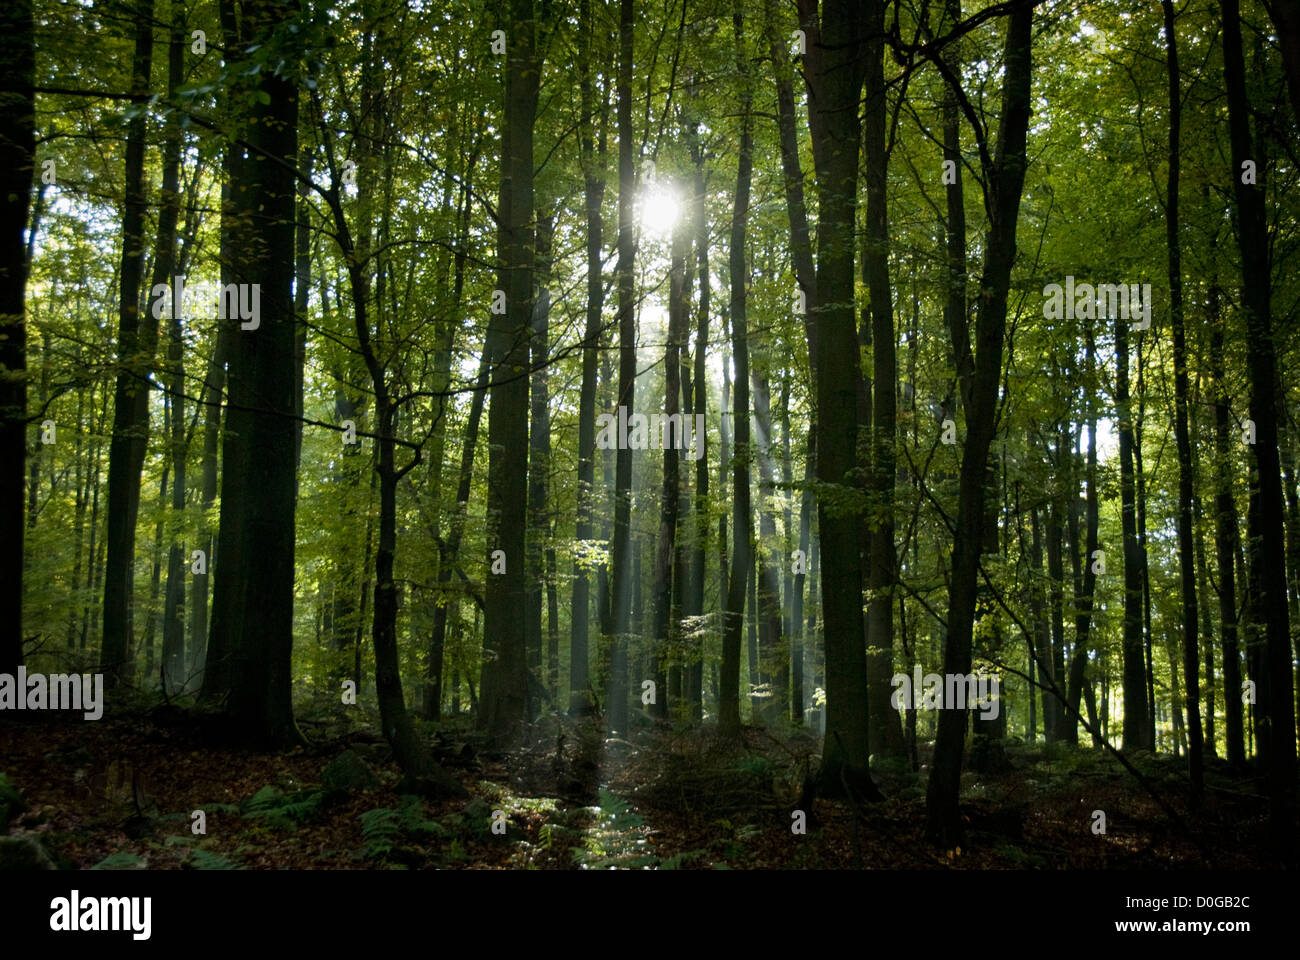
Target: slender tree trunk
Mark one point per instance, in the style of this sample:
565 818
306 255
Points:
164 260
136 340
1206 623
17 149
1062 728
448 552
621 585
1086 589
885 736
539 457
806 277
774 664
724 562
1042 627
665 628
1227 539
505 677
1143 555
593 195
754 674
793 581
1266 524
835 73
694 672
979 395
212 389
741 560
1136 708
93 552
224 626
1186 544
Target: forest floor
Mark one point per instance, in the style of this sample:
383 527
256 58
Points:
122 793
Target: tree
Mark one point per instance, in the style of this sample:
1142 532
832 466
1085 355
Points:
835 75
1004 175
741 568
505 677
137 337
17 152
1186 545
621 547
1266 523
253 609
593 197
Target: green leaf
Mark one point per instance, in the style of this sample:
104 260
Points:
122 860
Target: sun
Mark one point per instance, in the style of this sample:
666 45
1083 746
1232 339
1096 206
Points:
659 209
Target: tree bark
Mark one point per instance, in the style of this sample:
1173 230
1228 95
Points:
621 584
1005 180
666 629
539 458
503 693
741 559
258 611
136 341
1186 544
836 72
885 736
1266 524
1137 728
17 149
164 266
593 196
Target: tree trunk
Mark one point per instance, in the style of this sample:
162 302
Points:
1063 728
621 586
136 341
1186 544
979 393
665 627
1136 724
1266 533
164 261
741 560
774 663
593 195
694 671
503 693
836 73
17 149
1086 585
539 458
885 736
255 609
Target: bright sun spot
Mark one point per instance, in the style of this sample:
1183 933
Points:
659 209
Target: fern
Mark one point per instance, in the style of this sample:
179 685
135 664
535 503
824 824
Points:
675 862
410 814
122 860
280 810
380 829
204 860
614 840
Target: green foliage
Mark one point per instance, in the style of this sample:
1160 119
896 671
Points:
121 860
614 841
686 856
202 859
279 810
381 830
384 829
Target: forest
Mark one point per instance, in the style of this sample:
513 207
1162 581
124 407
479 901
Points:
649 434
